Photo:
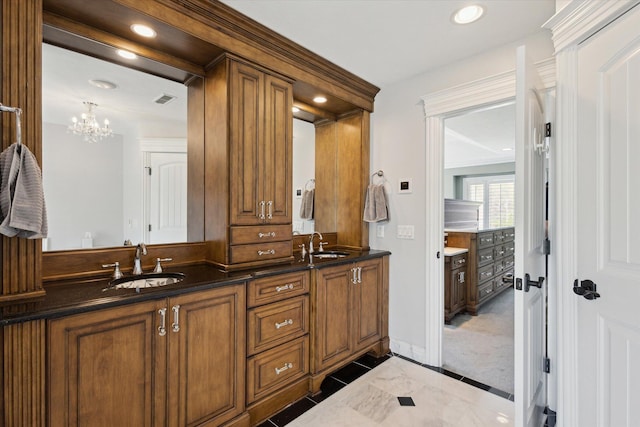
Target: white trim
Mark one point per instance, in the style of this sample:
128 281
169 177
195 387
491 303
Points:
408 350
563 229
580 19
163 145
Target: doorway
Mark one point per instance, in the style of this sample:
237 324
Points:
479 191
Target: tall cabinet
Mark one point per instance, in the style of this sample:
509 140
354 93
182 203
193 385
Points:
248 164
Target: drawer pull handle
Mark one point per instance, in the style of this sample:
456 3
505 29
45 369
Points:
284 368
284 288
461 277
162 329
285 323
268 252
175 326
269 234
460 261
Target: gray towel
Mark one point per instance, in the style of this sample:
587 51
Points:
375 205
306 208
22 208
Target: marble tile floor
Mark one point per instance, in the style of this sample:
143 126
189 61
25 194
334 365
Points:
367 392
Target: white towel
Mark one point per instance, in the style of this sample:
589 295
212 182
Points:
22 207
306 208
375 205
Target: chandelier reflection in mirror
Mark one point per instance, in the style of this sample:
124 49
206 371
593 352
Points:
88 126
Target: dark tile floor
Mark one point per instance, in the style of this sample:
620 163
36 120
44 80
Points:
355 370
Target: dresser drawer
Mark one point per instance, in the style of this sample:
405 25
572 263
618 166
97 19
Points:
260 251
485 291
499 251
276 288
498 237
485 256
273 324
458 261
509 235
509 249
485 239
508 263
498 267
276 368
485 273
502 281
242 235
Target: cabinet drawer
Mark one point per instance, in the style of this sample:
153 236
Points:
276 288
485 273
509 235
276 368
508 263
498 267
498 237
485 291
273 324
458 261
509 249
485 256
241 235
499 252
260 251
502 281
485 239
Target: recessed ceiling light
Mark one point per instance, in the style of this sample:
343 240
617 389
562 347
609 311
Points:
143 30
295 109
319 99
507 149
103 84
126 54
468 14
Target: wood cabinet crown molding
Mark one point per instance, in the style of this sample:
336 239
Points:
579 20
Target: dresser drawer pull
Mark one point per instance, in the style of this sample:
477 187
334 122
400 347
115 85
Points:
284 368
285 323
269 234
486 257
261 215
268 252
487 291
486 274
461 277
486 240
460 261
284 288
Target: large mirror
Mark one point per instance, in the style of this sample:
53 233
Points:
126 187
304 134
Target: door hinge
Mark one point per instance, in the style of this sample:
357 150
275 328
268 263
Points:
546 247
149 227
547 130
148 168
547 365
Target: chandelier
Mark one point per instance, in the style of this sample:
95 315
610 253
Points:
88 126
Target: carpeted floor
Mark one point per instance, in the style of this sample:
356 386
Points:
481 347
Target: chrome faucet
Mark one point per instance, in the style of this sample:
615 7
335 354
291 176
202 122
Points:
311 241
140 249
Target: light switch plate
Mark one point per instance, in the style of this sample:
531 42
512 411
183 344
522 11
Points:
380 231
405 185
406 231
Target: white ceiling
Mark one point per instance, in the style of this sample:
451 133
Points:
382 41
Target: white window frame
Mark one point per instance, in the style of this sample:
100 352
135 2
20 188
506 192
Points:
486 180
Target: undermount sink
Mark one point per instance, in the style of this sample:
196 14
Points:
145 280
330 254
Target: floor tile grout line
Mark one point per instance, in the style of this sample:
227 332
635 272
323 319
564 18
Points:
360 364
339 380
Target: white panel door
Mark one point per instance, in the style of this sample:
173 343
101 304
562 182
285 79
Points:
529 308
167 213
608 237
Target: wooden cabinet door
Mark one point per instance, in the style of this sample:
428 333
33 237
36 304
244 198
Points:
458 289
278 149
246 139
366 304
333 340
206 356
108 368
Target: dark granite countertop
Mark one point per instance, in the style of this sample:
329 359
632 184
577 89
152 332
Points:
68 297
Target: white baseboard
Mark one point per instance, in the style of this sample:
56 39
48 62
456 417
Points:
419 354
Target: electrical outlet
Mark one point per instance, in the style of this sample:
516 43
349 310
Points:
380 231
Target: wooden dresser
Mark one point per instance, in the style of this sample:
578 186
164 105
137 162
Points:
490 263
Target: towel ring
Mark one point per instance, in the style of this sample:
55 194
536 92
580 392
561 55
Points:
379 173
17 111
312 182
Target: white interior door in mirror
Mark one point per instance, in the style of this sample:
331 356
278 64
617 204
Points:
166 192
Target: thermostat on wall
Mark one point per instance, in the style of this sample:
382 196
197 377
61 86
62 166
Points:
405 185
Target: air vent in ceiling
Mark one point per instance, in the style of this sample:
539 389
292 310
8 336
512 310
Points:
164 99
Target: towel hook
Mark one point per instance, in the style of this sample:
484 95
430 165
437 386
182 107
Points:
17 111
379 173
